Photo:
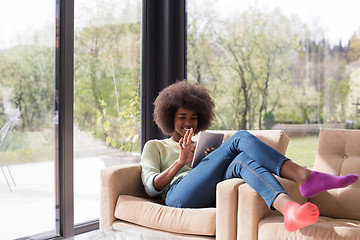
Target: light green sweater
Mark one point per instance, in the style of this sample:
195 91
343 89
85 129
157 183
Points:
156 157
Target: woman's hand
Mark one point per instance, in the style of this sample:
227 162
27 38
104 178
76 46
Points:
186 148
186 156
209 150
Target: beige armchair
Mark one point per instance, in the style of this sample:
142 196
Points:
124 202
338 154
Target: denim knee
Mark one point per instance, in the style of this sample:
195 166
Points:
243 133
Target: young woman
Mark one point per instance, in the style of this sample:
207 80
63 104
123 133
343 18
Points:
184 109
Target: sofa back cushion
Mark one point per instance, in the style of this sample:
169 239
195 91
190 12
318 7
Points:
339 154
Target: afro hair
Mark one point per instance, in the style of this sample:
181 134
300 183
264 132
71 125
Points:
183 95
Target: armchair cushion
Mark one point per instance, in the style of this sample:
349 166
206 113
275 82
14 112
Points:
200 221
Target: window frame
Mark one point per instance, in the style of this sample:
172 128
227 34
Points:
64 74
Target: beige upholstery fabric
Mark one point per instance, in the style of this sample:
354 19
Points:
227 208
339 154
252 208
200 221
326 228
151 234
116 181
275 138
123 200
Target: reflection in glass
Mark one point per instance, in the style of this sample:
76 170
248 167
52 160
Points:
288 65
27 63
106 95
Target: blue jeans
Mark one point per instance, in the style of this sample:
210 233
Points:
241 156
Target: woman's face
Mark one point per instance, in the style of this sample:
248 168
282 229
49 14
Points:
185 119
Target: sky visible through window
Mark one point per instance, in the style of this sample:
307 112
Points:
339 19
20 19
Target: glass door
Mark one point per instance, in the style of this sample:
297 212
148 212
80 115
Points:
27 118
106 95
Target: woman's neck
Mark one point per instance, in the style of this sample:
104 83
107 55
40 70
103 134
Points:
175 138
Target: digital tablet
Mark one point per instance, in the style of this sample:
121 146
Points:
206 140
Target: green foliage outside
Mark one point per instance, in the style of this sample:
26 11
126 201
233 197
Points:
27 78
27 84
261 67
107 84
106 91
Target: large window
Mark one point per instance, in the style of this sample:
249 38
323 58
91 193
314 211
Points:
39 168
106 95
27 118
289 65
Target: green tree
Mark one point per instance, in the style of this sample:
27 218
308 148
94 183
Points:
336 99
107 78
28 72
201 44
258 48
353 53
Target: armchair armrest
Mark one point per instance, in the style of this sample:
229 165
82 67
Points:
115 181
227 208
252 208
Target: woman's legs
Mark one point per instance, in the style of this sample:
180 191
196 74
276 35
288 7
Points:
294 172
198 188
265 184
258 177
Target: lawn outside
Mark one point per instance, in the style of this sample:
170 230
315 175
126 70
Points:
302 150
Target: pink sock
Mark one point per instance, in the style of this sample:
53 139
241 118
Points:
318 182
297 216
